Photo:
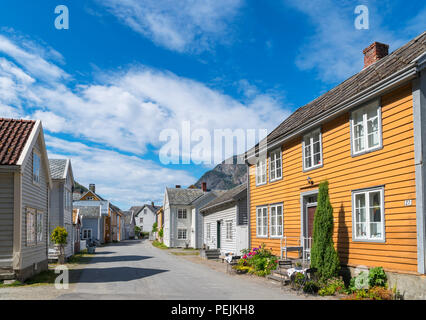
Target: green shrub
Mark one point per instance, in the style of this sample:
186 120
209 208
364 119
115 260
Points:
59 236
311 287
154 227
377 277
161 233
331 287
137 230
323 255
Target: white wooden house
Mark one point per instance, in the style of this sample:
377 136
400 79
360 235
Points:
61 201
24 199
226 222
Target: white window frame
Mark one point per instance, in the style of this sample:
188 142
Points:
264 212
86 236
261 172
311 147
209 231
178 234
36 174
228 229
278 159
276 225
182 210
366 193
31 228
39 226
363 109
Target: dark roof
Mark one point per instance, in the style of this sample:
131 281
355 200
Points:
183 196
13 136
376 72
115 208
89 211
136 209
127 217
57 168
228 196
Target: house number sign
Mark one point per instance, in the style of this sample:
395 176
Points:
408 203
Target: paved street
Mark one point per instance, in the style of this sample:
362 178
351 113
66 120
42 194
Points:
137 270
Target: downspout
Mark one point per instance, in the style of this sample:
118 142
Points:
419 121
248 205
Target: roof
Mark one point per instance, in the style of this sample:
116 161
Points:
226 197
75 216
13 136
58 168
380 70
128 216
76 196
183 196
136 209
89 211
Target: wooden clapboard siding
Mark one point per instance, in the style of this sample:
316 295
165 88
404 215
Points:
6 215
391 166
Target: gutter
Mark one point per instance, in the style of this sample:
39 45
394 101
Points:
403 75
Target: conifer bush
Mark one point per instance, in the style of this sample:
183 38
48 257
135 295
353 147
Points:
323 255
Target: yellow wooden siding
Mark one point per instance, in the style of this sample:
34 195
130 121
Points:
392 166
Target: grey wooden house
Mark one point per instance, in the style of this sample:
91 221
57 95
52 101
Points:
24 199
61 200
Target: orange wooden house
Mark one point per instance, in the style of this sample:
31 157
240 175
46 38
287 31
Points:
367 138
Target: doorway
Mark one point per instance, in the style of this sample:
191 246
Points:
309 206
218 234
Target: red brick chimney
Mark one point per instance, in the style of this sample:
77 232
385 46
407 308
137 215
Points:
177 186
204 186
374 52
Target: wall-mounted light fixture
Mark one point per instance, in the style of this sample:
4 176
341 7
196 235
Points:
310 181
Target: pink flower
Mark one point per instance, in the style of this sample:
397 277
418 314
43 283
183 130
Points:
245 256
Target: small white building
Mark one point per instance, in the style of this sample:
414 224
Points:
183 223
226 222
145 216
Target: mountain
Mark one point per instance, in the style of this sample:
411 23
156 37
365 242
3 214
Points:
79 188
224 176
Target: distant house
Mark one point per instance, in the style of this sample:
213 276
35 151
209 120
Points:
145 216
117 223
24 199
92 199
226 222
91 222
183 224
60 200
129 224
76 227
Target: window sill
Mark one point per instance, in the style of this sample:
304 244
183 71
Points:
262 237
260 184
275 180
313 168
353 155
370 240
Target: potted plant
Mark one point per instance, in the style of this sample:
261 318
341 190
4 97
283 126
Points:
59 238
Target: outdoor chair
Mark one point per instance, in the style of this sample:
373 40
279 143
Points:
309 275
282 267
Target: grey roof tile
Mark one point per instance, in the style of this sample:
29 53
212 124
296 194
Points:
178 196
57 168
225 197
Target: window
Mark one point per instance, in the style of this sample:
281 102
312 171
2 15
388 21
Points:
366 128
36 167
276 212
39 226
261 172
181 213
275 172
312 150
89 198
67 200
368 214
87 233
31 226
140 220
181 234
262 221
229 230
209 231
144 211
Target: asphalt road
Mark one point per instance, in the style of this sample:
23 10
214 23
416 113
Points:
137 270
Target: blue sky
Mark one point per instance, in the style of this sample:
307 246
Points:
126 70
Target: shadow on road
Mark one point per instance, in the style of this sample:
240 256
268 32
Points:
99 259
124 243
94 275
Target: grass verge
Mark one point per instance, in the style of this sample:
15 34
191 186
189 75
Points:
159 244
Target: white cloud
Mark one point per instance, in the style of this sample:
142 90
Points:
124 112
124 180
184 25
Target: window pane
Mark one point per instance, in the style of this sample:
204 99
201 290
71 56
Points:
373 132
360 207
375 215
